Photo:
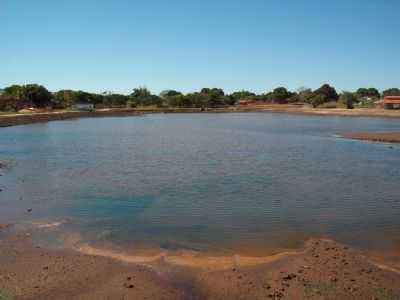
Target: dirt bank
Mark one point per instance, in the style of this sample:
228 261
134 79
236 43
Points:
21 119
385 137
321 270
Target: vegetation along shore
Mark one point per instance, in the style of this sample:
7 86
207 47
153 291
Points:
24 104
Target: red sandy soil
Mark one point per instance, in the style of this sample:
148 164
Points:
386 137
323 269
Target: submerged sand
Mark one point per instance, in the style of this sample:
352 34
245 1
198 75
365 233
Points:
385 137
322 269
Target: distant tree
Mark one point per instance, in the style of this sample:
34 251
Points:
36 95
317 99
304 94
214 97
63 98
169 93
14 90
241 95
195 100
328 92
142 96
367 92
111 99
391 92
172 98
8 103
279 95
348 99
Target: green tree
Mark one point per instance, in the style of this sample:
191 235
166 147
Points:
142 96
37 94
14 90
196 100
214 97
170 93
32 94
391 92
317 100
242 95
111 99
279 95
328 92
368 92
304 94
63 98
172 98
8 103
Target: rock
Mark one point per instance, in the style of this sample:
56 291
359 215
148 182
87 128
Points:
266 286
5 164
4 226
129 286
290 277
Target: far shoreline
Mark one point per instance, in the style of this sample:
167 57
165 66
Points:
7 120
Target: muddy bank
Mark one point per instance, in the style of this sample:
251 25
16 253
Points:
385 137
321 270
21 119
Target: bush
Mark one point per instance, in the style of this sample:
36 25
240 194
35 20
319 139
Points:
348 99
317 100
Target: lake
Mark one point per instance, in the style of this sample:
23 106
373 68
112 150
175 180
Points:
204 181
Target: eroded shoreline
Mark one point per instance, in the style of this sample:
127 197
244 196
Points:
321 268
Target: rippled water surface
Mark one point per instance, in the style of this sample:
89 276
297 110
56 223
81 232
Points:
203 181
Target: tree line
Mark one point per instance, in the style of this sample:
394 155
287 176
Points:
16 97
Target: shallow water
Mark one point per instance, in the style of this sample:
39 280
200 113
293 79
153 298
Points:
204 181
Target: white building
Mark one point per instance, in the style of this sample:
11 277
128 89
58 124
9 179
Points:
83 106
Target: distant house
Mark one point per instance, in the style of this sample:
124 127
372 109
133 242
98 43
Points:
390 102
245 101
83 106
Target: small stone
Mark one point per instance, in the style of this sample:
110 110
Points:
266 286
129 286
289 277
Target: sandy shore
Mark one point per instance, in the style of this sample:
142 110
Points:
385 137
20 119
322 269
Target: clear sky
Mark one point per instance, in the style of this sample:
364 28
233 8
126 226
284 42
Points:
116 45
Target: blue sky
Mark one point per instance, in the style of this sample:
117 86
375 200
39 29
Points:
116 45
